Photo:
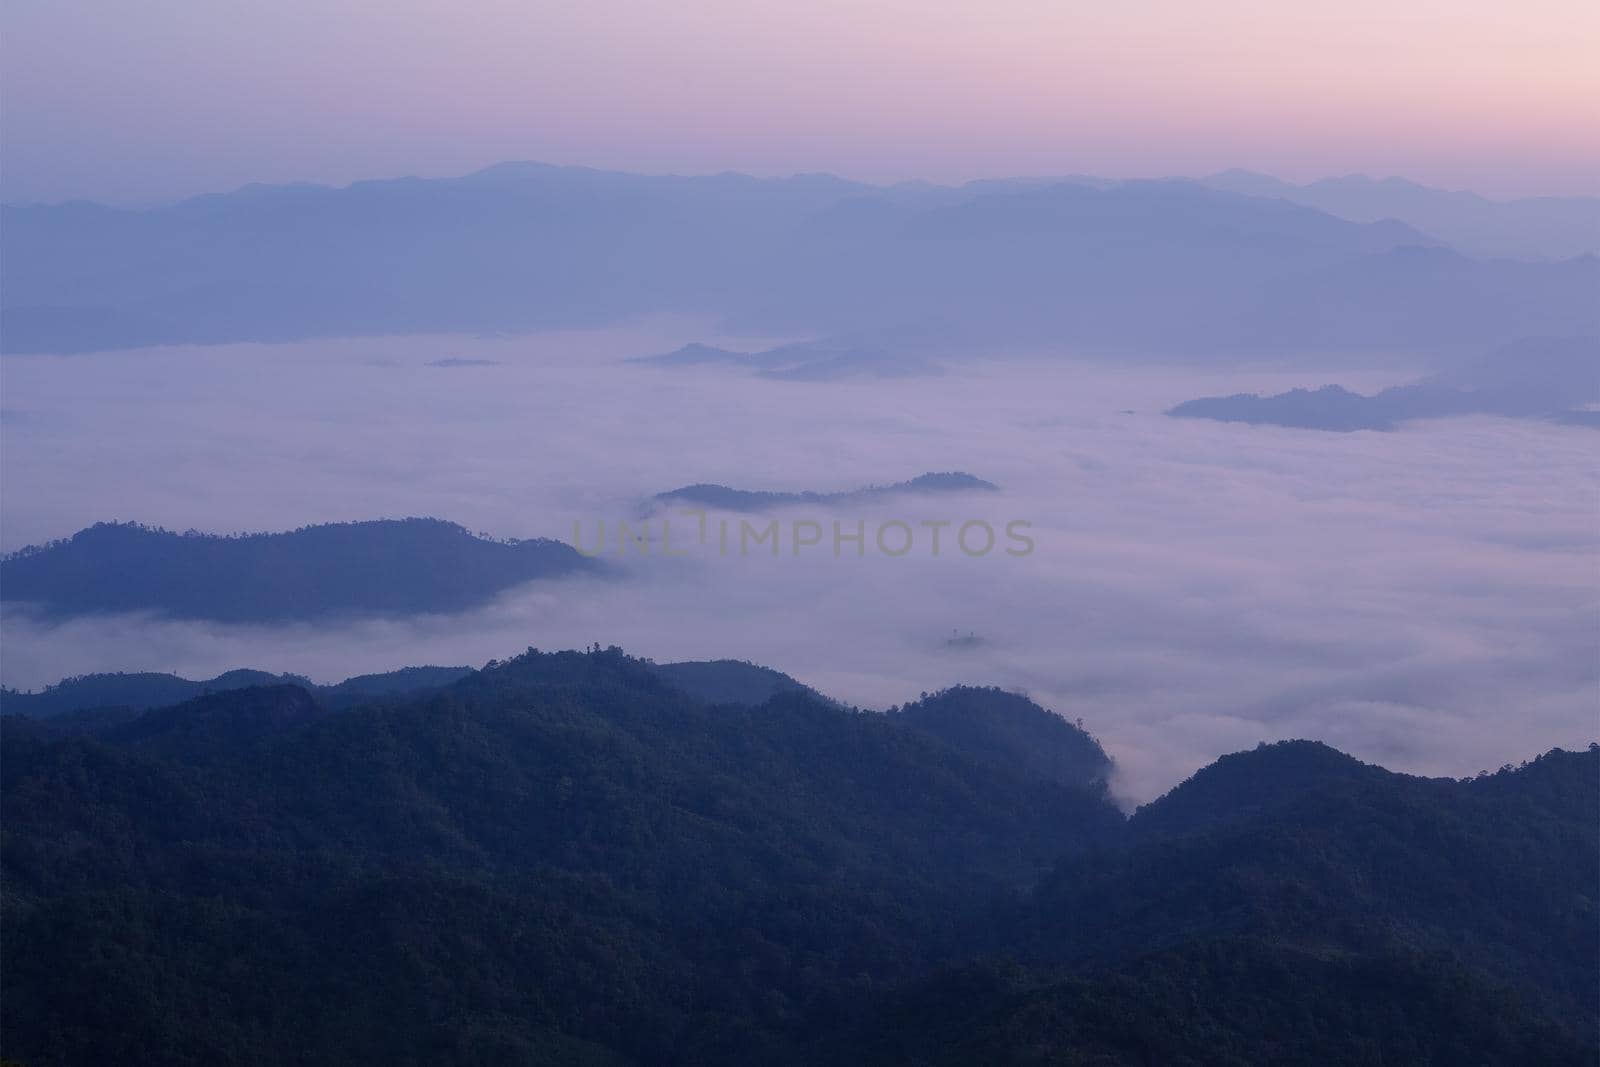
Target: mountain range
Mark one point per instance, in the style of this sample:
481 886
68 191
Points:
563 858
1139 266
1539 227
141 691
95 696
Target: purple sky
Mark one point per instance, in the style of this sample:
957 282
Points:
165 98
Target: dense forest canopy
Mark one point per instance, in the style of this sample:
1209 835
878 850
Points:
568 858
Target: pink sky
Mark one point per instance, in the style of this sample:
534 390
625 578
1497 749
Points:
128 102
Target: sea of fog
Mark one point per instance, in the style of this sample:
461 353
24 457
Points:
1427 599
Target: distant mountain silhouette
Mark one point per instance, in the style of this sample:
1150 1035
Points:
385 567
1549 379
806 361
726 499
1134 267
143 691
1426 301
837 363
696 354
1331 407
1543 227
83 698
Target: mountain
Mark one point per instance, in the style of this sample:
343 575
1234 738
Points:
1330 407
723 498
565 858
1299 845
1135 267
1536 375
72 702
731 681
696 354
826 360
232 719
1291 904
518 246
1537 378
813 362
139 691
402 682
1309 848
1009 730
143 691
1545 227
1239 1001
384 567
1425 301
560 857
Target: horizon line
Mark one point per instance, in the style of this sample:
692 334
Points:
817 175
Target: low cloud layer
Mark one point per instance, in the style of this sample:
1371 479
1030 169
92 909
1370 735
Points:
1427 599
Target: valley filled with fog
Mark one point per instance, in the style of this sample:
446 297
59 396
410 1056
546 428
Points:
1422 598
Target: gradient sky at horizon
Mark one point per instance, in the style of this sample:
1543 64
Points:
168 98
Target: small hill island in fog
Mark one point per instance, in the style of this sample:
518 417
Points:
383 567
727 499
1545 379
823 360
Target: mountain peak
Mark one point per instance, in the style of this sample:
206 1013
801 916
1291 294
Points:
1244 784
1010 729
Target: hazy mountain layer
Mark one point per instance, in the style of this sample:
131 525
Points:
1136 267
1540 227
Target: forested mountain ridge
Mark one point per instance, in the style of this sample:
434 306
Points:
564 858
710 681
1010 730
580 853
1301 849
727 681
141 691
1293 905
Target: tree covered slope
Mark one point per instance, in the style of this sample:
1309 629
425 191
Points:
565 858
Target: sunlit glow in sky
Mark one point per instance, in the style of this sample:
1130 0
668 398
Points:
165 98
